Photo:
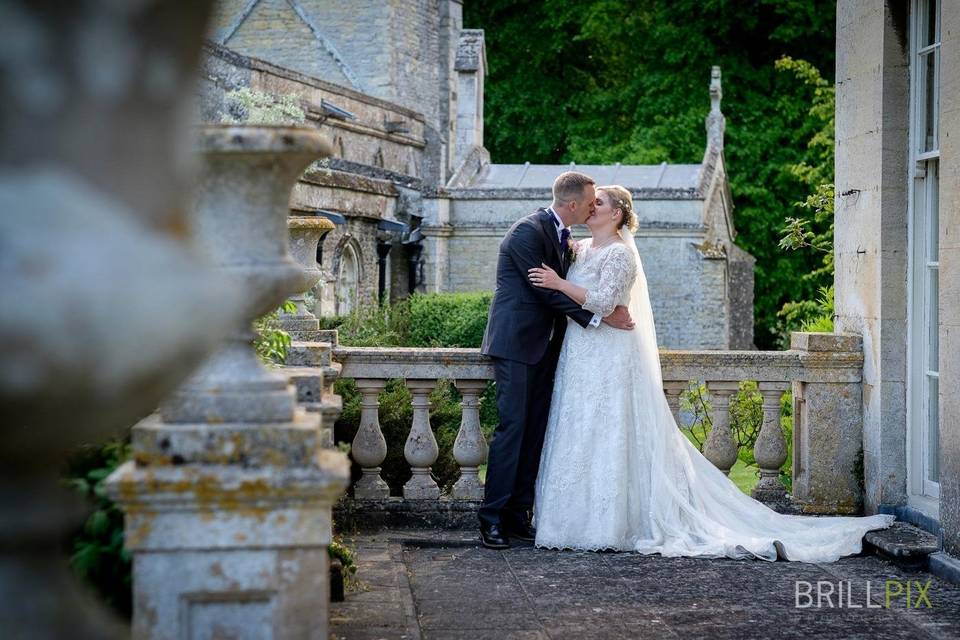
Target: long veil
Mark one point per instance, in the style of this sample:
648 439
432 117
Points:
695 509
642 313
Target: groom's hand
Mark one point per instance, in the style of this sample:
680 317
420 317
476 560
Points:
620 318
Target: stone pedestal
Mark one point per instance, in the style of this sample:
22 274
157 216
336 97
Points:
228 499
827 427
224 550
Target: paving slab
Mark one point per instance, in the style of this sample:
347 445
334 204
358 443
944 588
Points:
433 584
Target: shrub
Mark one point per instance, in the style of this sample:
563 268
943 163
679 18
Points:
449 320
97 554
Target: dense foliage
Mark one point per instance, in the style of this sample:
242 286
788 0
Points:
97 553
603 81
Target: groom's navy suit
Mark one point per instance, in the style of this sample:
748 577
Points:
524 334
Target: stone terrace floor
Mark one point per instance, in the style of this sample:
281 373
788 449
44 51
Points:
442 584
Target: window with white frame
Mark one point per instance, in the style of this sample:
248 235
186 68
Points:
923 264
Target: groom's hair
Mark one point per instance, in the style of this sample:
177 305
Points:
569 185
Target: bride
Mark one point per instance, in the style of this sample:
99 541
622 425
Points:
616 472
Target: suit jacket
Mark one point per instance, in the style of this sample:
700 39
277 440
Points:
522 315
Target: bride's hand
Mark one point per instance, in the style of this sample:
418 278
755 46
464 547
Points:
545 277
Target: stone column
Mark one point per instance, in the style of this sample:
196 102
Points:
228 499
828 424
369 448
673 389
770 449
421 448
720 447
470 447
305 233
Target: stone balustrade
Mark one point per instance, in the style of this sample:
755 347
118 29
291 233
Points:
822 370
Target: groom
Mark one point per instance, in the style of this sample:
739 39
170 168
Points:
523 338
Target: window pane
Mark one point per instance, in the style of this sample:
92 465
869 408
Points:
933 210
933 329
931 19
927 17
929 70
933 433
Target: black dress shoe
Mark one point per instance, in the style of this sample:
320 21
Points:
492 537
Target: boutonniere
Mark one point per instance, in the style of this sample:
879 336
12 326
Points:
572 248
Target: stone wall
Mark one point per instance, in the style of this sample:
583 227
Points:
871 230
364 202
690 293
365 140
950 280
396 50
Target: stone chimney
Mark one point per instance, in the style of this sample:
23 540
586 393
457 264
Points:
471 67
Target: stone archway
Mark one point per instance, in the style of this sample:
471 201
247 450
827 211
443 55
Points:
348 278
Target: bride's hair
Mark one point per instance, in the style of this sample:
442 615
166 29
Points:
620 198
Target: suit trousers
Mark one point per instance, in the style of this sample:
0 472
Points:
523 403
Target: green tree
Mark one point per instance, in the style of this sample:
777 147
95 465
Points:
603 81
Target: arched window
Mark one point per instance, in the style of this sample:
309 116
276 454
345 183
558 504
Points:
348 280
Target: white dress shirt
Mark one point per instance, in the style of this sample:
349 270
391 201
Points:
595 321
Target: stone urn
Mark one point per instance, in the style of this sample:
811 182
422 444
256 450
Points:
239 218
306 232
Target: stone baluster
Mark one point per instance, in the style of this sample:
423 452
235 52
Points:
470 447
421 448
770 449
720 447
673 389
369 447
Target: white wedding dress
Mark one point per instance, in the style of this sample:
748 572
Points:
616 472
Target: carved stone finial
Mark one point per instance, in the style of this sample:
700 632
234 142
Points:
716 123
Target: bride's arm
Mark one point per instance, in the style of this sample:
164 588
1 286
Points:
549 279
616 276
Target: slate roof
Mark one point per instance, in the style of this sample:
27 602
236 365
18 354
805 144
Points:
633 176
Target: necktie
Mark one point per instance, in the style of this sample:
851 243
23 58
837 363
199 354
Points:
564 236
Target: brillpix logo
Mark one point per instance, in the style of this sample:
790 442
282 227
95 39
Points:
843 594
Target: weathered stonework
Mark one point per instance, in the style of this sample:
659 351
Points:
227 500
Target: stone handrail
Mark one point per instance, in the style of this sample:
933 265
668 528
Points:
823 370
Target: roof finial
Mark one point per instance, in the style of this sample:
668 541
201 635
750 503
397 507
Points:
715 120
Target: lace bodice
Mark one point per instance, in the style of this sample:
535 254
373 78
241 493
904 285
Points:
607 273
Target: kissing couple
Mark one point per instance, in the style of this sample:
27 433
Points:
587 454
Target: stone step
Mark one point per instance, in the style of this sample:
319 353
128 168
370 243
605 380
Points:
308 354
313 335
903 544
308 382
